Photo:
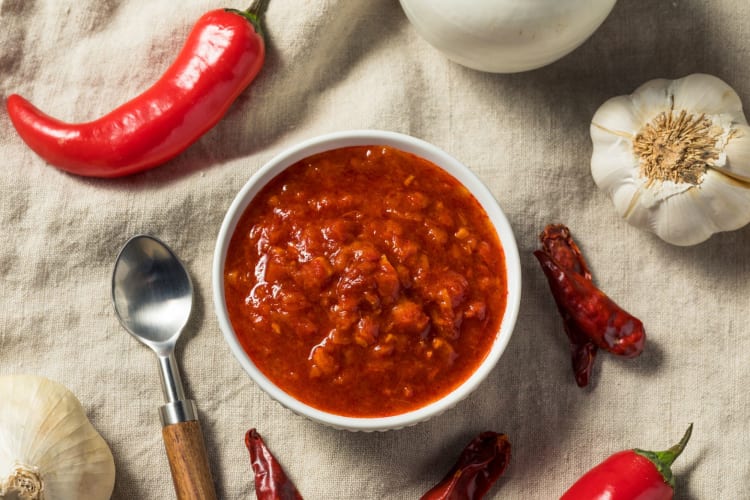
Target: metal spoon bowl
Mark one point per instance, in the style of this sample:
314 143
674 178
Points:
152 292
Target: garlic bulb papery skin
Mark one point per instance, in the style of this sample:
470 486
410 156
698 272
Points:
675 158
48 448
506 36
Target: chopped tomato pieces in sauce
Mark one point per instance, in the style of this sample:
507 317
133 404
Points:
365 281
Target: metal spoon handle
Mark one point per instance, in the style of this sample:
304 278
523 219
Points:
171 381
188 461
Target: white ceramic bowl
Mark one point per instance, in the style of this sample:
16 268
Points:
404 143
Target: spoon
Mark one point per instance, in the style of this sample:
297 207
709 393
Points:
153 297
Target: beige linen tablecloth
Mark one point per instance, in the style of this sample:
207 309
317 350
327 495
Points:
342 64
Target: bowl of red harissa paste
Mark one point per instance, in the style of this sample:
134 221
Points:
366 280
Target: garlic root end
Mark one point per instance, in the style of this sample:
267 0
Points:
23 484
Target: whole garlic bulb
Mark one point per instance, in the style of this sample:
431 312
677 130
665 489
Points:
48 448
506 36
675 157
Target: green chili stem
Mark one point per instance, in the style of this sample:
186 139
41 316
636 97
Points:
258 8
254 14
668 456
663 460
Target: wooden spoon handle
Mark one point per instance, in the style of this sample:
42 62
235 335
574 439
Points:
188 461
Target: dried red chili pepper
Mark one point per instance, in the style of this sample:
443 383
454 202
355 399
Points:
589 313
645 475
592 312
222 55
480 464
271 482
559 245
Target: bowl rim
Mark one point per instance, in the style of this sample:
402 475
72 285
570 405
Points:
420 148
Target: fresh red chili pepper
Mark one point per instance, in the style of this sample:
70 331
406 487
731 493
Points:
223 54
480 464
558 244
271 482
630 475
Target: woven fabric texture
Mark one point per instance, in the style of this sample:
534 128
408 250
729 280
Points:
335 65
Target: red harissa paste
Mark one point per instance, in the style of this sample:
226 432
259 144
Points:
365 281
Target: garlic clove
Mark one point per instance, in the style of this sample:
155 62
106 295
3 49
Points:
618 117
613 164
681 220
649 100
48 447
725 201
737 150
707 94
720 203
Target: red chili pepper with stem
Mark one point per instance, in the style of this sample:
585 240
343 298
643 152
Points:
222 55
630 475
480 464
271 482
